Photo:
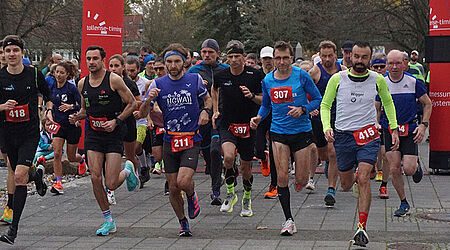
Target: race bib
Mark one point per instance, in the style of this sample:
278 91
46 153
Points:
159 131
402 129
54 128
182 142
281 95
366 135
96 123
18 114
240 130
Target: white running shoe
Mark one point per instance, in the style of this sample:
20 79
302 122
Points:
310 185
288 228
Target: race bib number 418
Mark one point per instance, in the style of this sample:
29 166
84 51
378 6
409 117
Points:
281 94
18 114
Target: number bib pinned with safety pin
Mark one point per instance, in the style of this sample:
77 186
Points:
402 130
159 131
182 142
366 135
281 95
54 128
240 130
96 123
19 113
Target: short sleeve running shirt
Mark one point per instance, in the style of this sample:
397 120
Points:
178 101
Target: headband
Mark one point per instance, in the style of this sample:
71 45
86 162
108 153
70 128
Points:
12 42
235 50
378 61
171 53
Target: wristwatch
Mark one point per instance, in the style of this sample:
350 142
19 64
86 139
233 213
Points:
118 121
303 110
425 124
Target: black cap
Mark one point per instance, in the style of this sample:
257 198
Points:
210 43
347 45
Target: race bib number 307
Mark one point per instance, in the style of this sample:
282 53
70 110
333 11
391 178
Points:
281 95
366 135
18 114
180 143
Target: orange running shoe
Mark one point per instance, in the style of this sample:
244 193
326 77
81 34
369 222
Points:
383 193
265 168
272 193
82 166
57 188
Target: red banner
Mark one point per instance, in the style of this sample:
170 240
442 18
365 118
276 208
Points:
102 26
440 80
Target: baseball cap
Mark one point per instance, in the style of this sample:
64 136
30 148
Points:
415 52
347 45
148 58
266 52
210 43
196 54
26 61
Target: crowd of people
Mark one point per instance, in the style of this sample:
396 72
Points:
161 112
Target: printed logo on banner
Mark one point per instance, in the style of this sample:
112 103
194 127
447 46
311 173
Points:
438 21
97 26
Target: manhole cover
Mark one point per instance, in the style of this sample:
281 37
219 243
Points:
409 246
444 217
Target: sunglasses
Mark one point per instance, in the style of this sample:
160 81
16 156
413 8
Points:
158 68
379 66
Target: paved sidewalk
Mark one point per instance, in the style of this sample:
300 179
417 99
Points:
146 220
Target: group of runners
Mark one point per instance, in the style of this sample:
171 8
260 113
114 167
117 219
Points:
330 112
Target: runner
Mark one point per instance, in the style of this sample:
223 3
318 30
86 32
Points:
378 64
346 51
285 92
177 96
104 94
240 94
356 140
148 72
132 67
66 101
211 148
405 89
320 74
19 87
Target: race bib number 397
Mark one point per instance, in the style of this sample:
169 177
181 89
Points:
180 143
366 135
18 114
240 130
281 95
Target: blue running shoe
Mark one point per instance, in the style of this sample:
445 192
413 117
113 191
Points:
329 198
193 206
402 211
417 176
184 230
132 180
107 227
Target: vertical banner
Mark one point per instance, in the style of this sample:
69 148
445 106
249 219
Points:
102 26
440 90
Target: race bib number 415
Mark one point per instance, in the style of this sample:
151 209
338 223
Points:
18 114
281 95
366 135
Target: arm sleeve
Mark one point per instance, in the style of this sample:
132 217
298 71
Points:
264 110
387 102
327 101
201 87
313 92
43 86
420 88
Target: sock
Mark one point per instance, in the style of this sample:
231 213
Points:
285 200
247 187
229 176
183 220
383 184
58 179
230 188
107 215
404 201
127 171
10 201
363 218
142 159
20 196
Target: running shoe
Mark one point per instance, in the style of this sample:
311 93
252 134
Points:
360 238
57 188
41 187
7 215
417 176
329 198
132 180
215 199
193 206
272 193
228 203
82 166
265 168
8 237
184 230
111 197
288 228
157 169
355 190
166 188
107 228
145 174
383 193
379 176
402 211
246 210
310 185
